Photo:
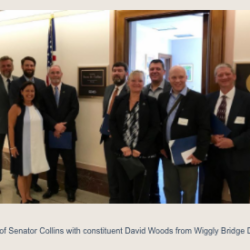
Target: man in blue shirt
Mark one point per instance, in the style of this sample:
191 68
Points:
183 113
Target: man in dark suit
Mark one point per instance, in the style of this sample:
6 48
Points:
118 88
229 158
157 86
28 65
6 68
183 113
60 108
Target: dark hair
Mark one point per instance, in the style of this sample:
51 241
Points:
20 97
157 61
28 58
121 64
5 58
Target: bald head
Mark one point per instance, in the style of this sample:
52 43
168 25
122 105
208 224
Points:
55 66
177 78
177 70
55 74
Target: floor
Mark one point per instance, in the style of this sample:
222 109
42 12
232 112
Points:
9 195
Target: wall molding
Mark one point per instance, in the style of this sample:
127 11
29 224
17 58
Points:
78 165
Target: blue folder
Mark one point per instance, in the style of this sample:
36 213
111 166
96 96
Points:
64 142
105 125
182 145
218 127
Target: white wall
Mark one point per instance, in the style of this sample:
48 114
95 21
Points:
82 40
242 36
146 42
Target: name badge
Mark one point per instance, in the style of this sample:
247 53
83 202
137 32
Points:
239 120
183 122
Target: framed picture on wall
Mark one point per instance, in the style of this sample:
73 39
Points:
242 71
189 70
91 81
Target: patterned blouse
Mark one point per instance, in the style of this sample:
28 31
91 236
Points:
131 127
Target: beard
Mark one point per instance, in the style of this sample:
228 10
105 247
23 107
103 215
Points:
119 81
29 74
6 74
55 81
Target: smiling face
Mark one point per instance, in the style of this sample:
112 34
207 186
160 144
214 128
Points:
136 82
225 77
28 93
177 78
55 75
6 68
28 68
119 75
156 72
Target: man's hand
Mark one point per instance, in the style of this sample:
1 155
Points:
194 161
163 152
215 138
57 134
224 143
136 153
126 151
60 127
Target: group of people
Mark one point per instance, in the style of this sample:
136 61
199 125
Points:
27 107
143 120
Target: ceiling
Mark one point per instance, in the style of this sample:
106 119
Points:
179 25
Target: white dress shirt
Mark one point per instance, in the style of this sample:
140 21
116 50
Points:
6 83
59 88
229 100
118 93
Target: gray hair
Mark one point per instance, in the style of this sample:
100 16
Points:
136 72
223 65
5 58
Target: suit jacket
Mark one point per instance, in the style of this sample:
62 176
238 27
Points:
149 124
16 85
107 94
166 87
194 108
238 157
66 111
4 106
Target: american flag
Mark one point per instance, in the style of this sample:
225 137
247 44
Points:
51 58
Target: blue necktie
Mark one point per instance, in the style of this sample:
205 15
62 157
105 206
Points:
57 95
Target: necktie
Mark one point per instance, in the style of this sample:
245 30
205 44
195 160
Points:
8 85
57 95
112 100
221 113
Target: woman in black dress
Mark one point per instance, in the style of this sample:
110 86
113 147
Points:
134 126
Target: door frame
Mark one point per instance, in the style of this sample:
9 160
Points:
213 46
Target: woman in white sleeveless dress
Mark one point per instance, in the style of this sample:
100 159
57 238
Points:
26 140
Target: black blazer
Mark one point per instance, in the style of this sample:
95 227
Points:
107 95
238 157
194 108
16 85
67 110
149 124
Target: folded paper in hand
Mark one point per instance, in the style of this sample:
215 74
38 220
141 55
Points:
105 125
132 166
181 149
64 142
218 127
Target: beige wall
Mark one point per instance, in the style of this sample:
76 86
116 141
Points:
82 40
